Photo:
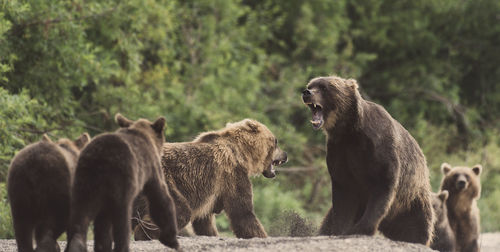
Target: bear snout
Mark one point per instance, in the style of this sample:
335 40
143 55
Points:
461 184
280 159
285 157
307 96
306 92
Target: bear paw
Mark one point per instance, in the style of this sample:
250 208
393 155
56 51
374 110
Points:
169 240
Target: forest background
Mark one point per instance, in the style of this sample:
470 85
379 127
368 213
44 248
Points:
68 66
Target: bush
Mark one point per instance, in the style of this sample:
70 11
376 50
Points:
6 228
290 223
21 122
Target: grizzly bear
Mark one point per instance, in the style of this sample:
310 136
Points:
444 238
464 187
39 187
211 174
380 180
111 171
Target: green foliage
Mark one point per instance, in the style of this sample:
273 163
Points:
69 66
6 229
269 204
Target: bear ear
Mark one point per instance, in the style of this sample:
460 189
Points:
445 168
254 128
159 124
477 169
82 140
46 138
122 121
352 83
443 195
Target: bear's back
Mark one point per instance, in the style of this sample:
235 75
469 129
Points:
36 162
191 163
105 150
37 176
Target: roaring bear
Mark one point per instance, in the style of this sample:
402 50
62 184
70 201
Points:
111 171
444 238
39 187
211 174
464 187
380 180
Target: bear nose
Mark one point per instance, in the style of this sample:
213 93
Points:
306 92
461 184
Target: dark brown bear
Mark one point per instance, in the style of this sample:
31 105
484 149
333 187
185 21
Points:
379 175
444 238
464 187
110 173
211 174
39 187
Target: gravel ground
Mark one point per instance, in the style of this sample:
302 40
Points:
489 242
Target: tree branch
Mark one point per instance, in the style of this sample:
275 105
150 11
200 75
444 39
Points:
297 169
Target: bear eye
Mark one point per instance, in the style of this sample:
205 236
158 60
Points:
322 87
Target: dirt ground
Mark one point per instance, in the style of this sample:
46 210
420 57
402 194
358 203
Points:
489 242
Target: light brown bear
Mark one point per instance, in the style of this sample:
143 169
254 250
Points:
444 238
111 171
380 180
464 186
39 187
211 174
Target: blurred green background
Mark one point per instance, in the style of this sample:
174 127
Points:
69 66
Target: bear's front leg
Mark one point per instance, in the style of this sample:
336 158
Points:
377 207
239 209
343 213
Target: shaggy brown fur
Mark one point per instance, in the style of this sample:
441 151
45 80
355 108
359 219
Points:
444 238
39 182
110 173
211 174
464 187
379 175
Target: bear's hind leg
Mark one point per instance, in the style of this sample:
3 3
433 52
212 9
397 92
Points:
121 224
23 230
77 235
46 239
103 239
82 212
414 225
162 211
205 226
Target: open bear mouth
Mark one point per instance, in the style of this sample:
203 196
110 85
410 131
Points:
270 172
317 115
